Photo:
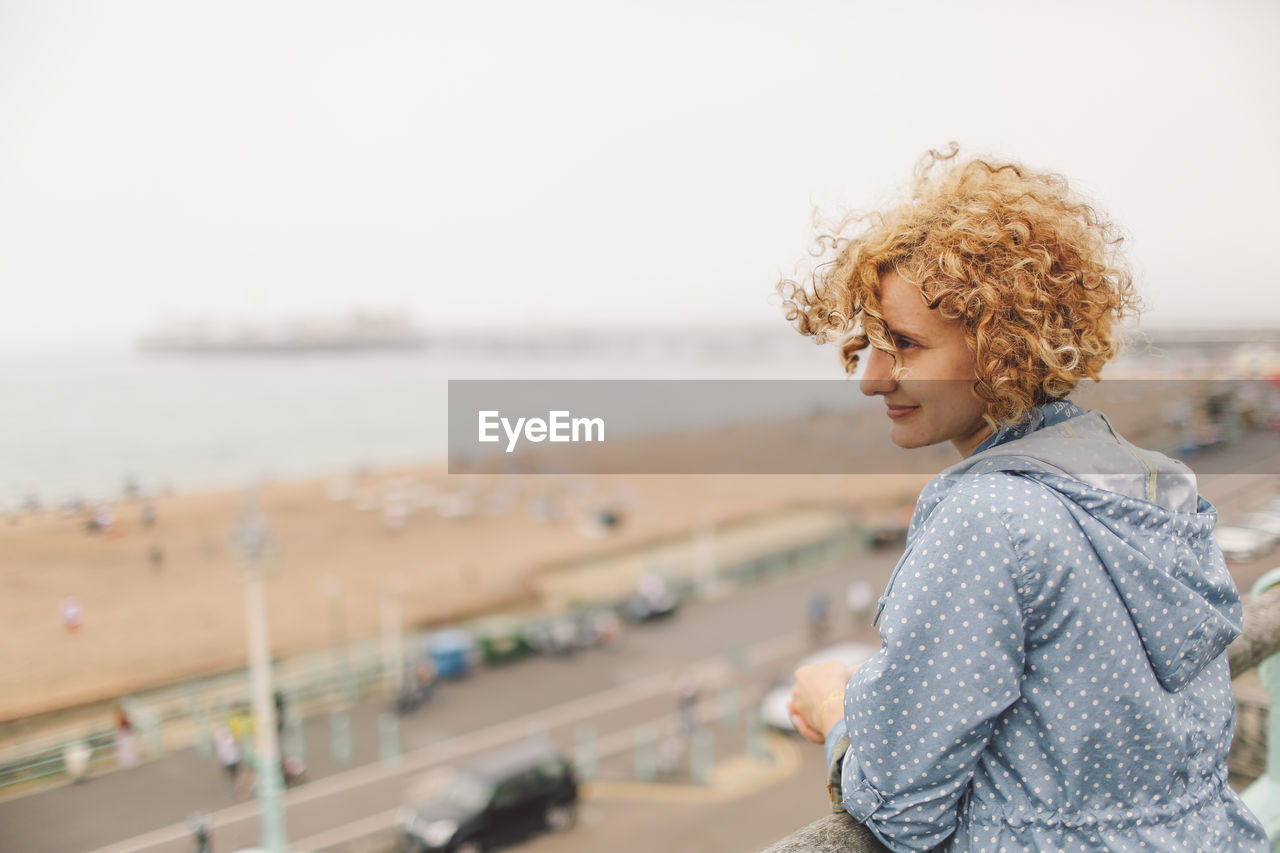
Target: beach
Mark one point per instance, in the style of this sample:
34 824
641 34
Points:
144 624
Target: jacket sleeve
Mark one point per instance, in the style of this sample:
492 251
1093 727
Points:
920 712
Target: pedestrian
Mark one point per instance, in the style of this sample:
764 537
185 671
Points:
817 613
1052 674
228 753
75 757
72 613
280 704
687 689
127 753
240 721
201 837
424 676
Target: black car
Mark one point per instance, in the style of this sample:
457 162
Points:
498 800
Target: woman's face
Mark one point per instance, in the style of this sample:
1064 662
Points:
932 399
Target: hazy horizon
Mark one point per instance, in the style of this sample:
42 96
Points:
448 335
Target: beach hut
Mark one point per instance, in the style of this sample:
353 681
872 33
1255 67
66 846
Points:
452 650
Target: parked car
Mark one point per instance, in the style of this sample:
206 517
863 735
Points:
599 626
580 628
498 800
644 608
1241 544
773 707
653 599
501 640
556 635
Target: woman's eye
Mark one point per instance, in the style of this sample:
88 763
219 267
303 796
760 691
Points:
905 343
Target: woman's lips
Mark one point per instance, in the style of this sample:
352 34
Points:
899 411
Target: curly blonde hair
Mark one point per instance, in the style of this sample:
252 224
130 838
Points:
1032 270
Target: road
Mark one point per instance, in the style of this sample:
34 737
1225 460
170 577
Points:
613 689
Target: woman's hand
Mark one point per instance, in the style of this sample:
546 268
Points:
817 700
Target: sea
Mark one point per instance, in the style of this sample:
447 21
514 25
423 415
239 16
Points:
81 423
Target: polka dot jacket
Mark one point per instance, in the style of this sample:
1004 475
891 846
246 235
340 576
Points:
1052 673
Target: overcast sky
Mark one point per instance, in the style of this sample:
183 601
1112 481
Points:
512 162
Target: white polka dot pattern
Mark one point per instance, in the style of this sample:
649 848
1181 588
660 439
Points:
1052 675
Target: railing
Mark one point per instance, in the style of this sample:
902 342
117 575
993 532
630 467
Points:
181 715
839 833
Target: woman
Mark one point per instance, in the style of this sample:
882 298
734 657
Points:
1052 673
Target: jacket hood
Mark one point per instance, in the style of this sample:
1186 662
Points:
1152 532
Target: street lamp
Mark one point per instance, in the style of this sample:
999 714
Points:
254 546
331 586
392 633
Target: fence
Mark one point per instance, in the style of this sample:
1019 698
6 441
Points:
182 715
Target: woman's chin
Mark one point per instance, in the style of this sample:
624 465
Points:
907 438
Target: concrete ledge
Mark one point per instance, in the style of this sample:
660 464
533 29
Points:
835 833
1260 638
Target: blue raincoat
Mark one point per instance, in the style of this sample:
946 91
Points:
1053 674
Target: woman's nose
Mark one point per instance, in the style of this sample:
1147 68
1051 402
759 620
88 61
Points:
878 377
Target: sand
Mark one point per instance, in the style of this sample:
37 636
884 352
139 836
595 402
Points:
144 625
